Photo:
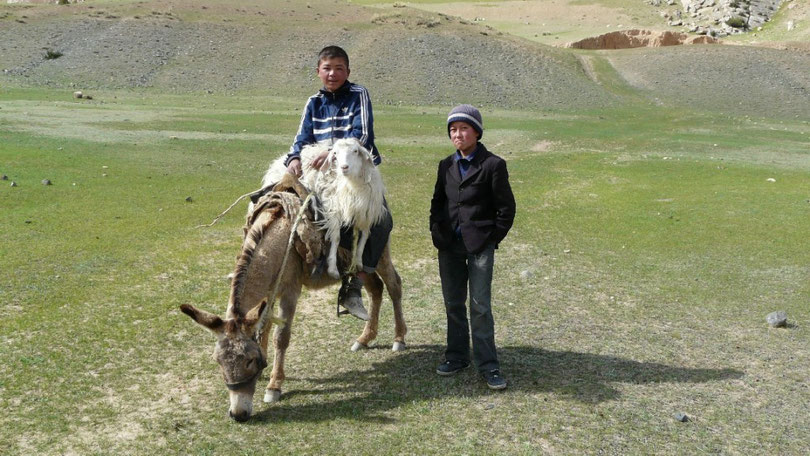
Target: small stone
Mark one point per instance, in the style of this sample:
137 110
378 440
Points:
46 182
777 319
526 275
682 417
771 179
13 184
103 174
567 251
78 94
4 177
188 199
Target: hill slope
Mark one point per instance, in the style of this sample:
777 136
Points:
406 56
403 55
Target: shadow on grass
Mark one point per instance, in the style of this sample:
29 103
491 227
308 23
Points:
410 376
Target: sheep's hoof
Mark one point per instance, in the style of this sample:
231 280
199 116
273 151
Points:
398 346
357 346
333 272
272 395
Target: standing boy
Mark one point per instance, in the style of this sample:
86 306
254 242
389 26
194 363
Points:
471 211
342 109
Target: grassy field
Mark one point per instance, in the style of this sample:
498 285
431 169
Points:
649 245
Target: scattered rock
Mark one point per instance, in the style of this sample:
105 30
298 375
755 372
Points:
13 184
78 94
682 417
526 275
777 319
46 182
4 177
771 179
730 16
188 199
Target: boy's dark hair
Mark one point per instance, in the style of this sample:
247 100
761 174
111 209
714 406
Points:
330 52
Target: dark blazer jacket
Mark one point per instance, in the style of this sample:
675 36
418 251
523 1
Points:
482 204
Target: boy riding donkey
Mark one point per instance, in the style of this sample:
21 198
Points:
342 109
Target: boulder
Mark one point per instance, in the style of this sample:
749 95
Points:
777 319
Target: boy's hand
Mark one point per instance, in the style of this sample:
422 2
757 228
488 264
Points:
320 161
294 167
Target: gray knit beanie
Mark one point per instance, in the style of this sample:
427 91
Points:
467 114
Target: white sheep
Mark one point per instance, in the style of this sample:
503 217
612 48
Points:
349 188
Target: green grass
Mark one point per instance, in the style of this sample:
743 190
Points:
648 248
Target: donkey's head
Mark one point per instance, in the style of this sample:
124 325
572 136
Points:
238 353
352 159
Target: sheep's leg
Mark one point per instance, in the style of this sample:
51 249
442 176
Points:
374 287
393 283
331 259
361 244
281 340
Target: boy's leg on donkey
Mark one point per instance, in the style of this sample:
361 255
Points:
352 297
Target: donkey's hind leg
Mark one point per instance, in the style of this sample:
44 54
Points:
374 287
393 283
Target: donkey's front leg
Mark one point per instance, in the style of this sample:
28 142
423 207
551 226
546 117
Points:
281 340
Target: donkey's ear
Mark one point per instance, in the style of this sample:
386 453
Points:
206 319
255 313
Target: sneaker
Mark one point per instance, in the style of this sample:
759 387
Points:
451 367
351 298
494 379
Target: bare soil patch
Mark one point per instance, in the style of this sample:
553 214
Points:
626 39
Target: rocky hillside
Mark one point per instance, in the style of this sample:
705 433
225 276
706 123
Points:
402 56
719 17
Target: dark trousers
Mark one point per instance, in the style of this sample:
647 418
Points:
377 240
459 271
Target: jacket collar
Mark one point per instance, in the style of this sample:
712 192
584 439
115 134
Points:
339 92
480 154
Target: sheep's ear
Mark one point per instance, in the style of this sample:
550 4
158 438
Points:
205 319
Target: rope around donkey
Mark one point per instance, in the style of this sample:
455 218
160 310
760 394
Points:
272 299
218 217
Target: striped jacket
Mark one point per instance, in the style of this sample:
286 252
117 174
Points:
330 116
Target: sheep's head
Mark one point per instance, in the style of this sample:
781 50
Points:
238 353
351 159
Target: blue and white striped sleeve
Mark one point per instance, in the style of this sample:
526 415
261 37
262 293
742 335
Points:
363 122
305 134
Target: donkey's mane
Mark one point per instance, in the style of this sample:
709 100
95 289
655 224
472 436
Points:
277 205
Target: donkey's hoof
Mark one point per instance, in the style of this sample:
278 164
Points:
357 346
398 346
271 396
